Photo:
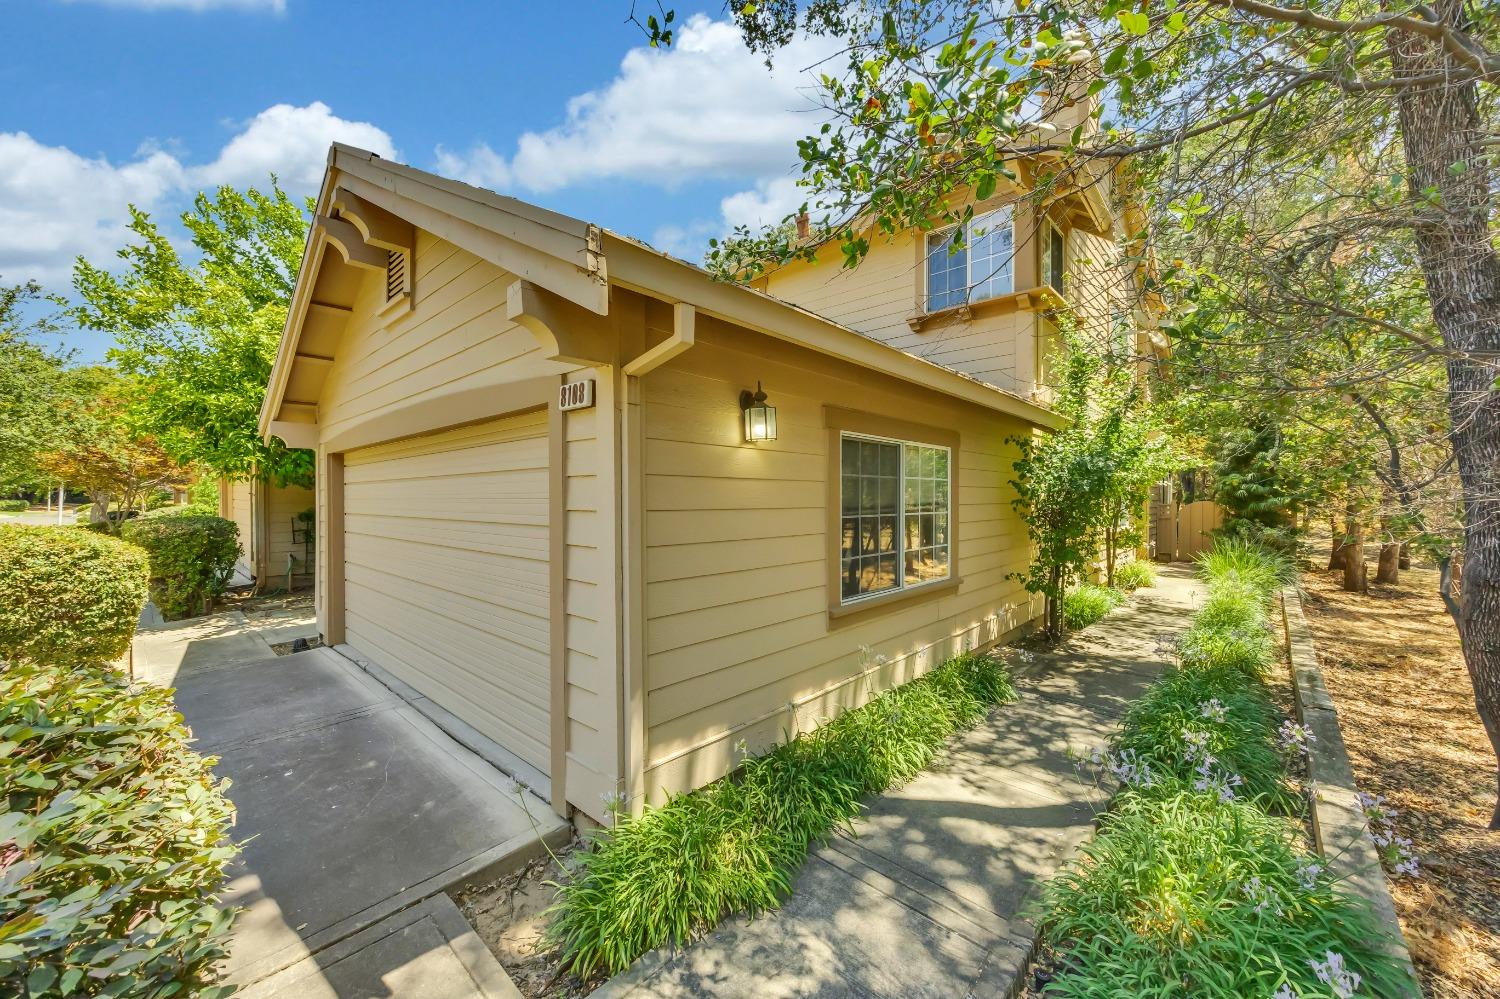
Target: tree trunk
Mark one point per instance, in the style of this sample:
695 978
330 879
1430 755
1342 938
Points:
1441 128
1404 561
1336 556
1388 569
1354 555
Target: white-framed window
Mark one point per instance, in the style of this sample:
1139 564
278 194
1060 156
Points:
896 514
981 268
1054 256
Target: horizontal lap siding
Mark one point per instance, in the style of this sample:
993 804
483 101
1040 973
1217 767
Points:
456 337
283 504
880 295
738 638
446 573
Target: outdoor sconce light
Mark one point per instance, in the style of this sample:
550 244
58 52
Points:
760 419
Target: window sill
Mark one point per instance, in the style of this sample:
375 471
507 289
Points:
840 615
1043 298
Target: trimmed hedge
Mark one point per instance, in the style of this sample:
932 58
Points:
736 844
192 558
14 505
1196 884
113 843
68 597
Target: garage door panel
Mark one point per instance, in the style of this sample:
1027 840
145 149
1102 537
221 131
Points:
498 615
518 579
397 653
524 541
498 669
446 578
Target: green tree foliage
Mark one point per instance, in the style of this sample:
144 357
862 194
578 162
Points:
1082 488
67 597
200 337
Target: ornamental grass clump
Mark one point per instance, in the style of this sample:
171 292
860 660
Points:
735 845
1089 603
113 843
1135 574
1196 884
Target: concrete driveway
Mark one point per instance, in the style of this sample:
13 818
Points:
353 808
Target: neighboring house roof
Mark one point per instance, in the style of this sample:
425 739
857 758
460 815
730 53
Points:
572 260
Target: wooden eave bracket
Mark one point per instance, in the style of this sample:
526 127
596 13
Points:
565 330
350 243
378 227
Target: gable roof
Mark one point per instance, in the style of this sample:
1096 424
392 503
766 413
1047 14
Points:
366 202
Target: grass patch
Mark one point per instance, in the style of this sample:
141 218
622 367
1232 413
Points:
735 845
1088 603
1196 884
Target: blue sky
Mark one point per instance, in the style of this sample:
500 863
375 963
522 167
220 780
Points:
109 102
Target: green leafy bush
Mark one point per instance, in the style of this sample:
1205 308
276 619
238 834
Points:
735 845
1195 884
14 505
1088 603
192 558
1134 575
115 840
67 597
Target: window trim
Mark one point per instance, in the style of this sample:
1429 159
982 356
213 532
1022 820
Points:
841 422
969 286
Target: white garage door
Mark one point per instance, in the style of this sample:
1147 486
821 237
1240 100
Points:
446 576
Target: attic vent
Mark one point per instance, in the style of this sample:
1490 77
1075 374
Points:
395 275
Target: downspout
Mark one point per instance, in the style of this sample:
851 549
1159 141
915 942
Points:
633 585
684 320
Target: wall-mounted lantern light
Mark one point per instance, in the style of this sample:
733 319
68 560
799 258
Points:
760 419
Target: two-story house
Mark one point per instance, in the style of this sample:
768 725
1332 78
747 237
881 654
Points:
617 522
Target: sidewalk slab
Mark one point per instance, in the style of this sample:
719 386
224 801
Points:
931 893
428 950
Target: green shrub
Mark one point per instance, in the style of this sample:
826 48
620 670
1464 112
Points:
192 558
1088 603
116 840
67 597
14 505
1134 575
1259 568
734 845
1187 895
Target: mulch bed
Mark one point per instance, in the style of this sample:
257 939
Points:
1392 662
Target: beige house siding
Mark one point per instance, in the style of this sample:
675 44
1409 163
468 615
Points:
738 638
1007 349
263 514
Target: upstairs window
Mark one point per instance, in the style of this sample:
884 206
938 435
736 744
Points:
1054 256
979 269
895 515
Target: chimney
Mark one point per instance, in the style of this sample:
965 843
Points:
803 224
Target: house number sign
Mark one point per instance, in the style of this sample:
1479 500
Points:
576 395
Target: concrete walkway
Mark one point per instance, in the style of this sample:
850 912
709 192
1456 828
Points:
355 812
929 899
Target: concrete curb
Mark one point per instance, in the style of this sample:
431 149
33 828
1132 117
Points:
1338 823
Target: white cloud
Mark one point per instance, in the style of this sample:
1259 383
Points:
56 204
706 107
292 143
766 204
197 6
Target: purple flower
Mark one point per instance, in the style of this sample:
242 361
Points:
1294 736
1332 972
1213 710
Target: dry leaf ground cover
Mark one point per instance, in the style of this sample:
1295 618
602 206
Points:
1392 663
